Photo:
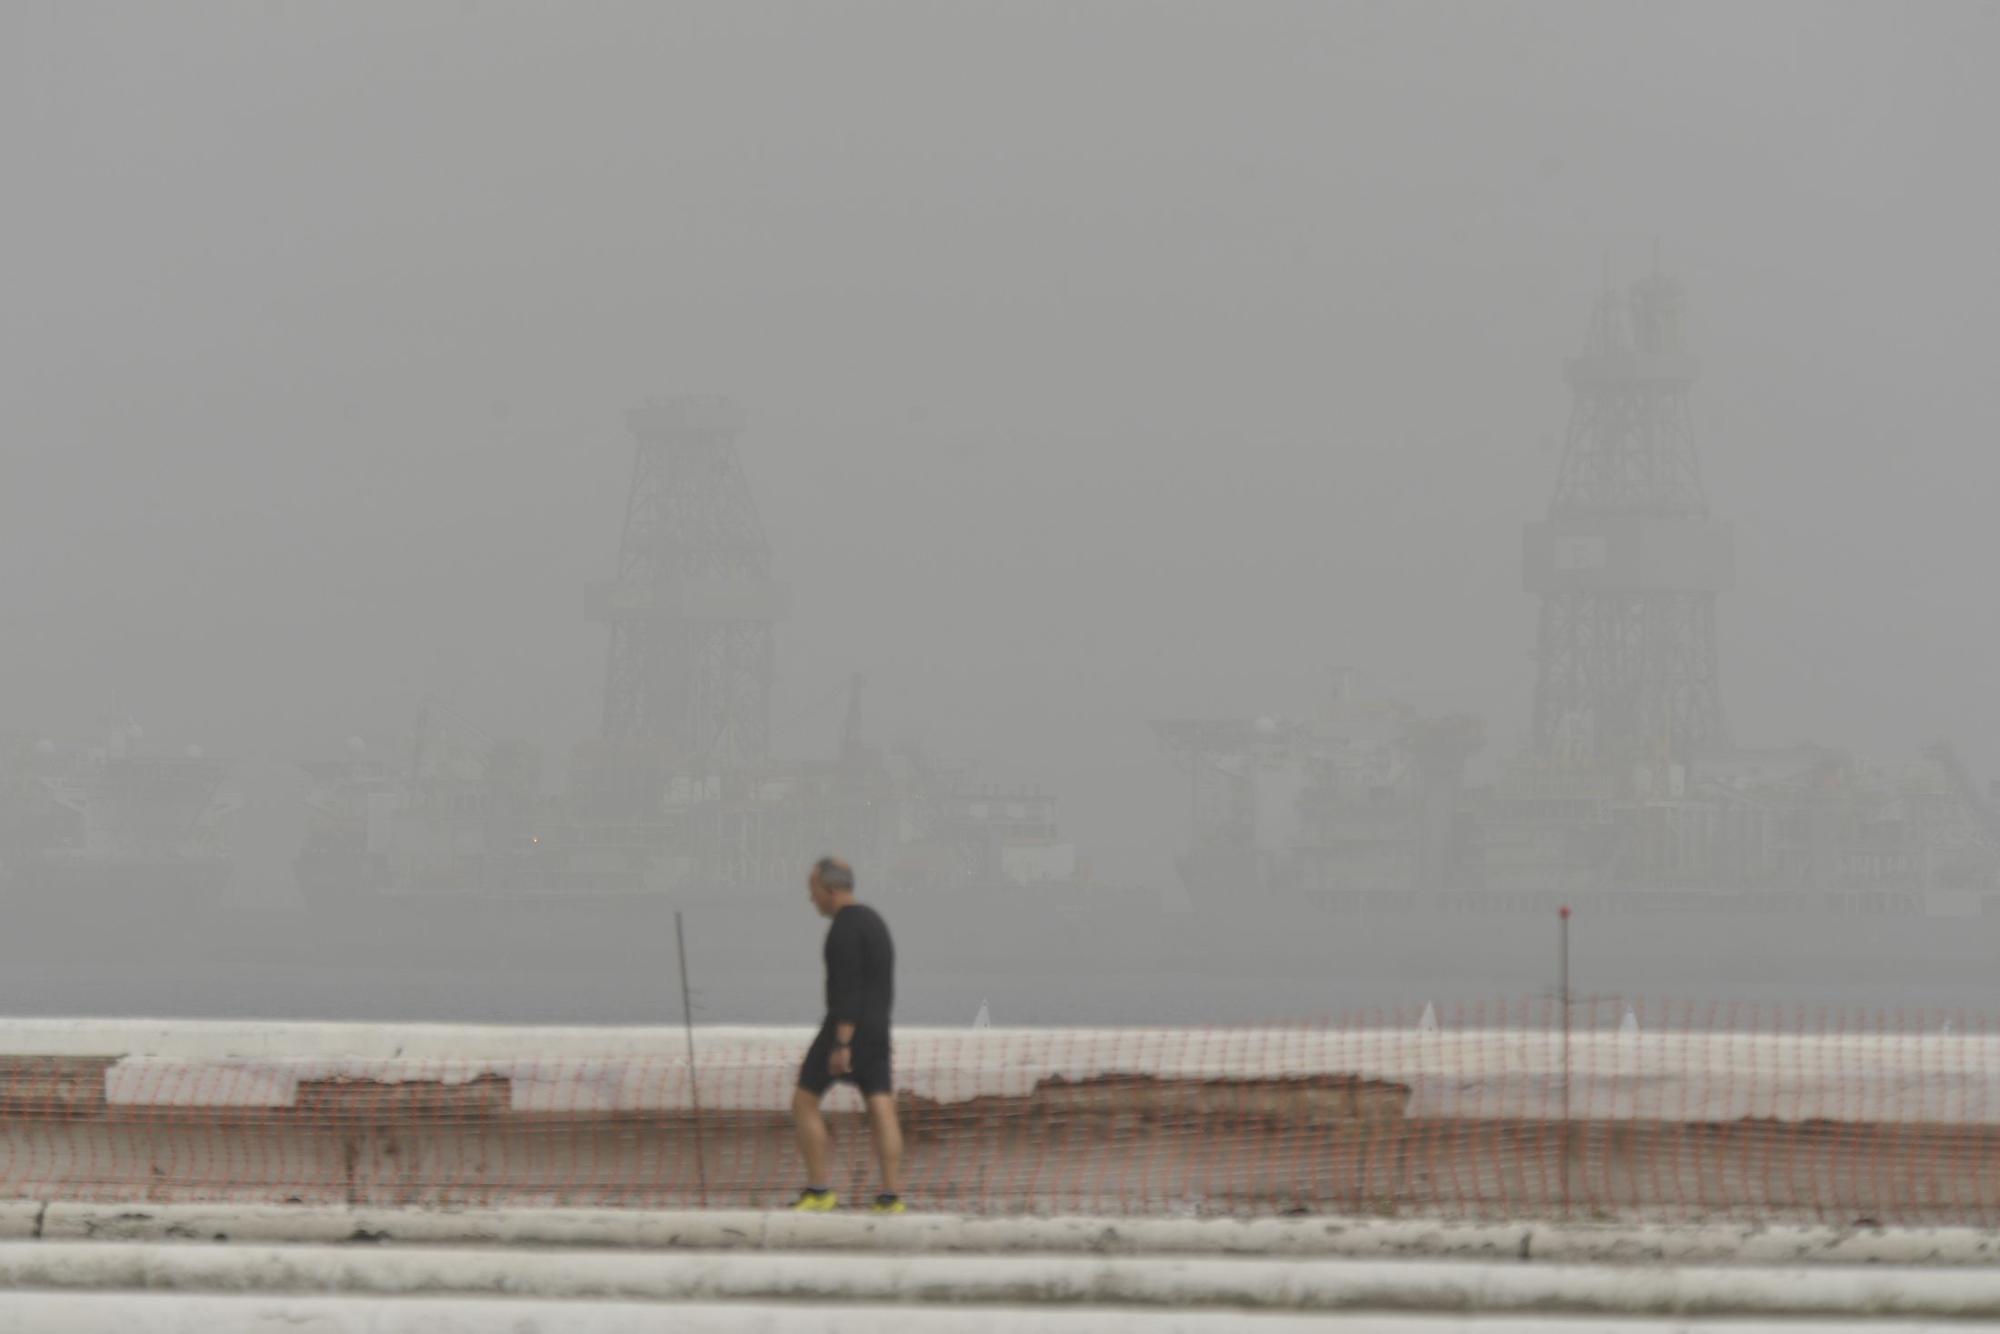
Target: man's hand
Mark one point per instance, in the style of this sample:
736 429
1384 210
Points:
840 1061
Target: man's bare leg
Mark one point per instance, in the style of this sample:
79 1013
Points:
888 1137
815 1141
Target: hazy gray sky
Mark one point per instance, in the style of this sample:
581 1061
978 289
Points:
1101 360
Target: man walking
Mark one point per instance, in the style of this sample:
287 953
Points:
853 1043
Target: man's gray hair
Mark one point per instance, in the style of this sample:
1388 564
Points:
834 873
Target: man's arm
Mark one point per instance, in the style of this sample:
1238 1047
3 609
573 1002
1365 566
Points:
843 981
843 994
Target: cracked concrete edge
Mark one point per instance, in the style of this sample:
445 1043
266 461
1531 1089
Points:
179 1313
1442 1287
20 1219
727 1229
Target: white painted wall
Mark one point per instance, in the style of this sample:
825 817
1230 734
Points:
1932 1078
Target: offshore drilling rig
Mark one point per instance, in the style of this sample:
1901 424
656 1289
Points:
680 797
1632 780
693 612
1630 784
1628 563
683 762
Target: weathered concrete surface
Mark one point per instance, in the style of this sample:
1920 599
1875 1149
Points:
1044 1280
21 1219
732 1229
171 1313
456 1147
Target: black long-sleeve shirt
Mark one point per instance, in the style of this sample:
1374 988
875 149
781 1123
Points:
860 970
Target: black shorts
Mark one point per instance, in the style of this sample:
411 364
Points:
869 1073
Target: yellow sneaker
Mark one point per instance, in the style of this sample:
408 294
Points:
815 1202
887 1204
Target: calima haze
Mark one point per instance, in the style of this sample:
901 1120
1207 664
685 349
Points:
478 479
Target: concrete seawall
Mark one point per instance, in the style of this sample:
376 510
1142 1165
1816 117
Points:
1129 1121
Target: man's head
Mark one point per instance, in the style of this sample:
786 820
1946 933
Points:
831 885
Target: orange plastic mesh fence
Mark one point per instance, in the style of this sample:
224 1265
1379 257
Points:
1515 1110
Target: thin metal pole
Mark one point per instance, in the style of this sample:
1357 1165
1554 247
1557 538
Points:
1562 960
1562 953
694 1089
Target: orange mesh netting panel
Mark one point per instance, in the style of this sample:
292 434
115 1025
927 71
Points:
1509 1110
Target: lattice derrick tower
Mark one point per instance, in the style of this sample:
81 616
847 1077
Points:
693 612
1628 563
